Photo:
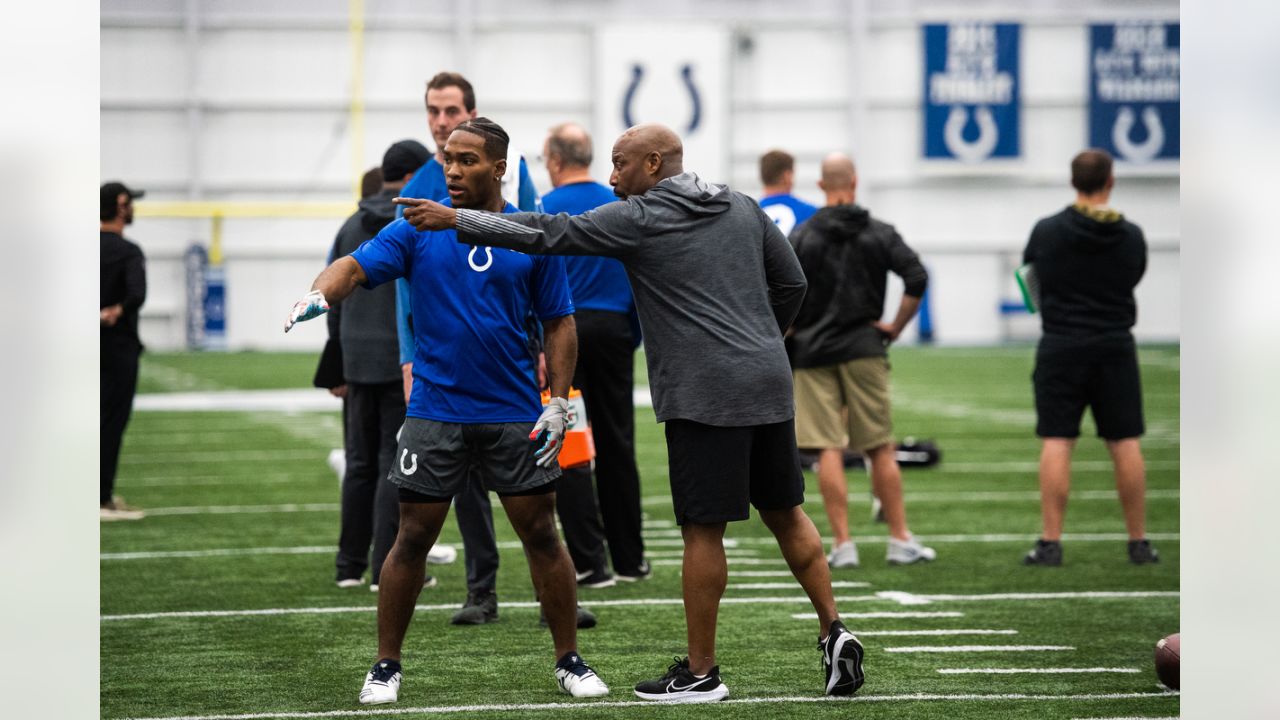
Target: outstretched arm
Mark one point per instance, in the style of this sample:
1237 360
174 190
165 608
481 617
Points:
334 284
610 230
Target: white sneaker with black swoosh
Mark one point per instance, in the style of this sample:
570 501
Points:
841 660
577 678
382 684
680 685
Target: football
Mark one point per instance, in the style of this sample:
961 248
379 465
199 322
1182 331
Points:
1168 652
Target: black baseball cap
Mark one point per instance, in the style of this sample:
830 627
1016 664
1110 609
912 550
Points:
110 196
403 158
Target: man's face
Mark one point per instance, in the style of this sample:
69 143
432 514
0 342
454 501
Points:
629 176
445 112
125 205
472 178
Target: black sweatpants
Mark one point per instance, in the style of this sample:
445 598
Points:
370 504
118 375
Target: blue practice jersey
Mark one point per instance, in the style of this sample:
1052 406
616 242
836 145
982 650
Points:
787 211
429 183
597 283
471 361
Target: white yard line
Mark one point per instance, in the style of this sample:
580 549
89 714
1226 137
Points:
979 648
1086 595
792 586
629 602
990 538
960 631
201 457
882 615
595 706
244 509
1033 671
760 573
731 560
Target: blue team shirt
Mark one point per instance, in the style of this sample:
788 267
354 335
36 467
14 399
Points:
471 361
429 183
597 283
787 211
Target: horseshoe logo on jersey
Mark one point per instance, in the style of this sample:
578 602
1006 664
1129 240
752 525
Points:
412 467
471 258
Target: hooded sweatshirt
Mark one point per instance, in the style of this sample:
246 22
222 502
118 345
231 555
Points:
846 255
365 323
715 285
1088 262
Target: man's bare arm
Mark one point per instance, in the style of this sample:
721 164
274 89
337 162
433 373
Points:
334 284
561 336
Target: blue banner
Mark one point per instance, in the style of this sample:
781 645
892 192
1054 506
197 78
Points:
971 91
1134 90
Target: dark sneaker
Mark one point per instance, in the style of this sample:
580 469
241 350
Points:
597 579
841 660
481 607
680 686
1046 552
577 678
382 684
1141 552
586 619
644 572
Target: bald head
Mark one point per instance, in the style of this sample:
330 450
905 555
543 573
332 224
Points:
571 143
644 156
839 179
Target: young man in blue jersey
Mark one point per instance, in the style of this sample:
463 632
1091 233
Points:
778 173
716 286
474 407
451 100
607 338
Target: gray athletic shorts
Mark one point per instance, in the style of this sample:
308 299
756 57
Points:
435 458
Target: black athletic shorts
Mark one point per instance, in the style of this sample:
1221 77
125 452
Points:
1102 376
434 459
717 472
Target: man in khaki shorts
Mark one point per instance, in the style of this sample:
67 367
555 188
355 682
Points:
839 352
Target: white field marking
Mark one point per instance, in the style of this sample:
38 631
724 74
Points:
963 411
791 585
174 379
1032 671
760 573
1031 466
991 538
594 706
225 552
959 631
293 400
221 456
654 524
729 550
978 648
212 480
244 509
629 602
1135 717
731 561
1086 595
902 598
882 615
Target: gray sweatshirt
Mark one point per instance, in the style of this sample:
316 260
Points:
715 284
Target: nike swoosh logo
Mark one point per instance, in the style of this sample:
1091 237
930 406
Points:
674 688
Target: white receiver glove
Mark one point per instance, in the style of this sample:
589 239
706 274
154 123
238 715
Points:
548 432
312 305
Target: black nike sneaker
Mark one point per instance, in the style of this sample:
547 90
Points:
841 660
1046 552
680 685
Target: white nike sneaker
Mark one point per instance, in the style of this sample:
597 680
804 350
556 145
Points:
442 554
382 684
905 552
577 678
844 555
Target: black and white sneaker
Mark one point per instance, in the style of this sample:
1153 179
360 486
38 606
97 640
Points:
1046 552
1141 552
577 678
841 660
680 685
382 684
644 572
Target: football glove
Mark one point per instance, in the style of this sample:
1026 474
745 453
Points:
548 432
312 305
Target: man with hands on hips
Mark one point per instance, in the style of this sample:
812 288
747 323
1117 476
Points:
474 404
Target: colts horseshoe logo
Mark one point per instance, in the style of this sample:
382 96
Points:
686 76
412 467
471 258
988 134
1145 150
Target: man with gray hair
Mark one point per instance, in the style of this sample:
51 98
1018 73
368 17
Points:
716 285
608 333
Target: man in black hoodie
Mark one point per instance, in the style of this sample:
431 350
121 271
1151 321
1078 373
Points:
839 351
1088 259
365 326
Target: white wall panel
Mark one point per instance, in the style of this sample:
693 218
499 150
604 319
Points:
140 64
530 68
295 149
144 146
794 66
398 64
275 65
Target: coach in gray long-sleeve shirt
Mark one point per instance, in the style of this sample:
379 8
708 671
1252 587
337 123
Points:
716 285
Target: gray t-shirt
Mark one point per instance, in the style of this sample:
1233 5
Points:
715 284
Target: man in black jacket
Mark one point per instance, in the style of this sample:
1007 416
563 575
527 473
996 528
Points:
1088 259
123 290
840 357
365 326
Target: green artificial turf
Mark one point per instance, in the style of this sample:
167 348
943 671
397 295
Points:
258 483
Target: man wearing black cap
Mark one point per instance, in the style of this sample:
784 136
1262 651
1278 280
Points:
123 289
365 328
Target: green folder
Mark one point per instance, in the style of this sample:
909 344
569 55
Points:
1029 284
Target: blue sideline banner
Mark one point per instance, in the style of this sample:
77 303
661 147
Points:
1134 90
972 105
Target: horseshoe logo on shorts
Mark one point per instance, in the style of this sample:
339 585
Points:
471 259
412 467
